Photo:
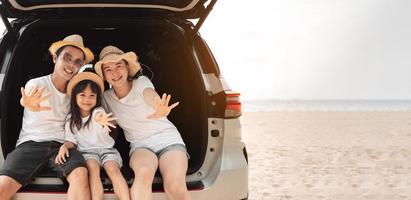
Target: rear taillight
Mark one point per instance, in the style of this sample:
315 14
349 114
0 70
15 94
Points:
233 104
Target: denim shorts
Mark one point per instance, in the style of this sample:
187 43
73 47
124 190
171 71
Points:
160 143
102 155
27 159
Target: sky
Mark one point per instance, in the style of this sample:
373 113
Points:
313 49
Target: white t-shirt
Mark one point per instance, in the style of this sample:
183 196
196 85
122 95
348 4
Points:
91 136
45 125
131 112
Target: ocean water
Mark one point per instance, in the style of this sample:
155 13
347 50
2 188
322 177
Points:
326 105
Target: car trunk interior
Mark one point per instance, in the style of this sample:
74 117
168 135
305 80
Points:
160 45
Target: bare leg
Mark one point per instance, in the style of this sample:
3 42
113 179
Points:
78 184
96 186
119 183
173 167
8 187
144 164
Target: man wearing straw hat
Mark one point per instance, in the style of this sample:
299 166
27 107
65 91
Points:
45 109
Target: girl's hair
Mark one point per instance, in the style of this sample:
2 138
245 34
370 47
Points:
75 117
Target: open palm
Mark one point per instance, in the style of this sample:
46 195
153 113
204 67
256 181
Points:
104 120
161 108
33 99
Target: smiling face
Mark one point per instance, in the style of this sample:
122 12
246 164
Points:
116 73
86 101
68 62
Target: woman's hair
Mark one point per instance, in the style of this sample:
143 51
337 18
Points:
75 117
138 74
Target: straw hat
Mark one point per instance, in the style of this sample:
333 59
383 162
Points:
84 76
113 54
73 40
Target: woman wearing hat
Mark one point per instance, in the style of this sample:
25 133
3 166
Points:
154 141
42 131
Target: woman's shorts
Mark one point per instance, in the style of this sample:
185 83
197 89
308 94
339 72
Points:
160 143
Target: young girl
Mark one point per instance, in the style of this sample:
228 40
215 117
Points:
154 141
87 128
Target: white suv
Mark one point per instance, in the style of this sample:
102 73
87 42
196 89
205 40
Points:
179 63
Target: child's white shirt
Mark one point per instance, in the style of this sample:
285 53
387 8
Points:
91 136
132 111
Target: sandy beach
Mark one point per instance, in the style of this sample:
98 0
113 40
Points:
328 155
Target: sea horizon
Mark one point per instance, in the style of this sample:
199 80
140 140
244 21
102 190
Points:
325 105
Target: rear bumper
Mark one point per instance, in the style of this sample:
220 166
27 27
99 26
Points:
227 180
230 184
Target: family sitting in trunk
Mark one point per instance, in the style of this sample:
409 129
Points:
68 129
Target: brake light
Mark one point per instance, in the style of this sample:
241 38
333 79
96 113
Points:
233 104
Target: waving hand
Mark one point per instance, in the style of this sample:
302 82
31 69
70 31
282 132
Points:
33 99
104 120
161 108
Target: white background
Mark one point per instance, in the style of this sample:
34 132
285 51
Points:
313 49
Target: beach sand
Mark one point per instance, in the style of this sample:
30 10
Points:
328 155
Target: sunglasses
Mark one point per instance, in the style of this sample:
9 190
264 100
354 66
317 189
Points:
68 58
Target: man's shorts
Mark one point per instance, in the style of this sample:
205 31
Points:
160 143
24 162
102 155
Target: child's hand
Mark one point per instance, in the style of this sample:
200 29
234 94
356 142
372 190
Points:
161 108
32 100
103 119
61 156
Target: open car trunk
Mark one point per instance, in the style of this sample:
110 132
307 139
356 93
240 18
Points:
160 44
